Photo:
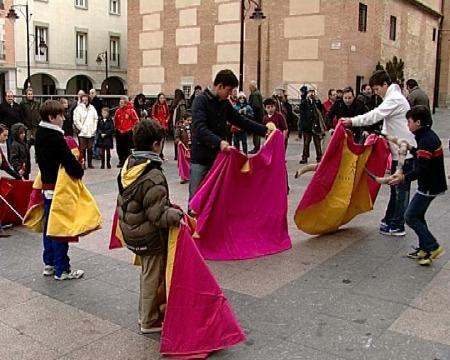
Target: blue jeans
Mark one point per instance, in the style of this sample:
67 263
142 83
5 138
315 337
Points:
198 173
399 199
415 218
55 251
238 138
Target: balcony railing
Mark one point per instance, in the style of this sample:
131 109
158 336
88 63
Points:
114 60
81 57
2 51
42 56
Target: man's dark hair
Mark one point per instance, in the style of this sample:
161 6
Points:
226 78
3 127
146 133
363 87
51 108
347 90
330 91
380 77
197 87
411 83
420 112
269 101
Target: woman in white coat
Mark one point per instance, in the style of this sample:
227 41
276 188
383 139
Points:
85 120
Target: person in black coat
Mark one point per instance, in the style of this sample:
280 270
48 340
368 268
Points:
311 122
20 152
10 114
210 113
348 107
105 133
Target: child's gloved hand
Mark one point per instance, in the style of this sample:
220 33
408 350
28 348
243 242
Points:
174 216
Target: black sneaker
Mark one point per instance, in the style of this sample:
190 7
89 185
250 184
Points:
303 161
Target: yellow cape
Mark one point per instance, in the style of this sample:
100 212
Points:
74 211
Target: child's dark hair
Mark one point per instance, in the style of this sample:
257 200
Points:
380 77
105 108
51 108
226 78
420 112
269 101
146 133
348 89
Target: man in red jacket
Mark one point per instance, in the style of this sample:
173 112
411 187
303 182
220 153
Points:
124 120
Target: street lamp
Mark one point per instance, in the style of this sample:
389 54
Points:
258 16
100 57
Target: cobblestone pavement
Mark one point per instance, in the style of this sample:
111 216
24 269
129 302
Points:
349 295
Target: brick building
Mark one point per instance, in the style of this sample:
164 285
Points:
7 52
328 43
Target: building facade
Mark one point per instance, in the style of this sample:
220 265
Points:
69 41
7 55
444 57
327 43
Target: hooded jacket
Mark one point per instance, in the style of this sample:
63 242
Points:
19 154
85 120
125 118
143 207
393 113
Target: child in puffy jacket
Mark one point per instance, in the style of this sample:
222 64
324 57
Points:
20 152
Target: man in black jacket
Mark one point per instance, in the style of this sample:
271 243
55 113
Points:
429 171
211 111
10 114
349 106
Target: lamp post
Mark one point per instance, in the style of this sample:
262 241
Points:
258 16
100 57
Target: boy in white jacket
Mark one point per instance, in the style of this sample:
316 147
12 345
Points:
85 120
392 111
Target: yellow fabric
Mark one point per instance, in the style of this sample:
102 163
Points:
171 250
348 197
34 216
128 176
74 211
136 260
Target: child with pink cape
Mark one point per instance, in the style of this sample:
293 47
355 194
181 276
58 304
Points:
184 165
198 319
241 206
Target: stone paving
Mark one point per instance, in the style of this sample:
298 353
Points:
348 295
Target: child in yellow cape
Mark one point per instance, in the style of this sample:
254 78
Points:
64 195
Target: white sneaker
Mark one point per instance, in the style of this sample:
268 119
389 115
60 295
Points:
48 270
74 274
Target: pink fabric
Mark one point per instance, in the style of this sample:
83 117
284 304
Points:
184 161
198 318
114 241
325 175
244 215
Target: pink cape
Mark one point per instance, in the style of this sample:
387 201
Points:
317 194
198 318
17 194
242 205
184 164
